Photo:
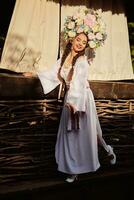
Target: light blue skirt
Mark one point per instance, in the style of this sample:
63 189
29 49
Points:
76 151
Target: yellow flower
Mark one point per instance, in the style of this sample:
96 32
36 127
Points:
86 28
79 21
96 28
71 34
82 13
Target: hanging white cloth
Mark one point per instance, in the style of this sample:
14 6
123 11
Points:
32 41
33 36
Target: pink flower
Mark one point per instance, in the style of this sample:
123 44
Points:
90 20
99 36
91 36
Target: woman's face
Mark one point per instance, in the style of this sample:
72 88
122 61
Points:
79 42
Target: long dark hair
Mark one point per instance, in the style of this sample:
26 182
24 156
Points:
63 58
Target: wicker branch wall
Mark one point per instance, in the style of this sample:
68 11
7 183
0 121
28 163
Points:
28 131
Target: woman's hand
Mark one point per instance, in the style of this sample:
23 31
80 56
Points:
28 74
71 107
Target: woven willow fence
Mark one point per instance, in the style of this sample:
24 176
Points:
28 131
117 122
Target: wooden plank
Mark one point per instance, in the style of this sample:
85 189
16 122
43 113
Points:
112 90
30 88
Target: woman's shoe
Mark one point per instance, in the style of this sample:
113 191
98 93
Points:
72 178
112 155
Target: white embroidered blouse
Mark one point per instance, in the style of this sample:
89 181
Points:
76 94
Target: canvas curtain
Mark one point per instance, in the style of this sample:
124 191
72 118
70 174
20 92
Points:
33 37
32 41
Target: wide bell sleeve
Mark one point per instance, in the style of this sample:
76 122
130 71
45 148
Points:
76 95
48 78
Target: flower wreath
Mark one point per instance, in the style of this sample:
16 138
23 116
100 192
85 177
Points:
86 21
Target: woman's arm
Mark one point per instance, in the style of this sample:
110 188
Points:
49 78
29 74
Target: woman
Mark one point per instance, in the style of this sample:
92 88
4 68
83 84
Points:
76 149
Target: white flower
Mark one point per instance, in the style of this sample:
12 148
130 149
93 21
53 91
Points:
102 26
71 34
71 25
99 12
92 44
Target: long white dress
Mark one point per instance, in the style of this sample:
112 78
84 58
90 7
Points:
76 149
